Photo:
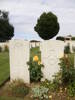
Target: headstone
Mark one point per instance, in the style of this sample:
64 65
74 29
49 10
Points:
50 52
19 56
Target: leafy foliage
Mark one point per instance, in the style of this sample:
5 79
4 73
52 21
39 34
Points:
18 88
35 71
71 89
35 64
52 86
41 93
35 51
47 26
67 70
60 38
67 49
6 29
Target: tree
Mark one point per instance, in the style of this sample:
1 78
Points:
47 26
60 38
6 29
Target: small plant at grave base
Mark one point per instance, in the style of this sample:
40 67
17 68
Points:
50 85
35 67
71 89
57 81
18 88
68 73
55 84
40 93
67 70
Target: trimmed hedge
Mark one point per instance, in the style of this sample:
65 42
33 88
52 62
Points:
63 38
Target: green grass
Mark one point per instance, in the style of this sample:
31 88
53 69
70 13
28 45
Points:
35 51
4 67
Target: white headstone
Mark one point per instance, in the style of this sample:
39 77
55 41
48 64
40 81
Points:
19 56
50 53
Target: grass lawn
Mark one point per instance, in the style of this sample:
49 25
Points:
4 66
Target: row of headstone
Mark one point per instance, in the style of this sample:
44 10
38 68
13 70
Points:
19 56
3 46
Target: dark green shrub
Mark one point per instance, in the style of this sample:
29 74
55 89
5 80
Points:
35 70
67 70
73 38
71 89
6 29
47 26
19 89
67 49
60 38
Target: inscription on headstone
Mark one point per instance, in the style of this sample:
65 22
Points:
50 51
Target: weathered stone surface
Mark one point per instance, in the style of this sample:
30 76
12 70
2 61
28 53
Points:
19 55
51 50
50 53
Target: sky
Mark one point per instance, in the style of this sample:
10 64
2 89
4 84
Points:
23 14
